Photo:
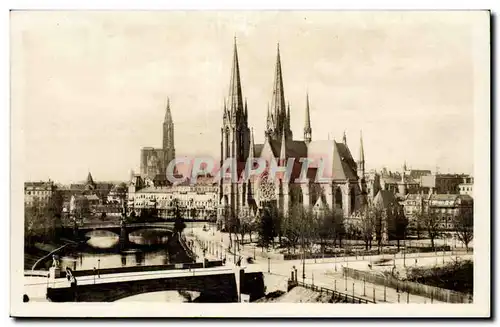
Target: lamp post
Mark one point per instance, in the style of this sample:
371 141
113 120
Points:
404 253
303 263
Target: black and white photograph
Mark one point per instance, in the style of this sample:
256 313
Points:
314 159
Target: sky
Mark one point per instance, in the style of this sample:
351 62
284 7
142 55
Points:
89 89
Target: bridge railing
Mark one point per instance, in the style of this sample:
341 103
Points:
36 273
90 272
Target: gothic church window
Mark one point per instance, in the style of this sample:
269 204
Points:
353 200
338 198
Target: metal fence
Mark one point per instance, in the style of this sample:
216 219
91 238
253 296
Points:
335 295
432 292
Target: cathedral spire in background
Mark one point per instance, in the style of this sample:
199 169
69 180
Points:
168 113
168 138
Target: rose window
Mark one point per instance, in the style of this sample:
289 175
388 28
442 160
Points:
267 189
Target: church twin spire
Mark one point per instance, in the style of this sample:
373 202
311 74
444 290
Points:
235 131
279 122
235 100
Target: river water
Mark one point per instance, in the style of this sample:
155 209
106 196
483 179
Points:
101 251
147 247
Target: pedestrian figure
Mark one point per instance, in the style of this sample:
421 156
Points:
55 261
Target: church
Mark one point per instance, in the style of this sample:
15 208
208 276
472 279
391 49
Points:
345 190
154 161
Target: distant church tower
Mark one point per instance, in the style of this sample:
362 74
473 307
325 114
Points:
278 121
168 137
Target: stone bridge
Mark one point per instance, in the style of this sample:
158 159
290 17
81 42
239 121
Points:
116 227
123 230
222 284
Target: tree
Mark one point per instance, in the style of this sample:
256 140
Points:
179 223
339 227
379 217
367 226
327 226
464 227
430 223
399 224
291 225
246 224
33 222
310 228
193 213
42 219
266 228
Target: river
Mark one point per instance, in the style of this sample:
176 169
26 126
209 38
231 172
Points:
146 247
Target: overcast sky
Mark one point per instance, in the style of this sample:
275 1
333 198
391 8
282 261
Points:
92 86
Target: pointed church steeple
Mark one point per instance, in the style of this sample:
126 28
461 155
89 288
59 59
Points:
246 111
251 153
361 162
283 148
286 123
278 107
168 139
90 180
361 149
235 96
269 121
307 125
235 139
168 113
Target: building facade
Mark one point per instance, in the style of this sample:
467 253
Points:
467 186
40 193
445 206
443 183
195 201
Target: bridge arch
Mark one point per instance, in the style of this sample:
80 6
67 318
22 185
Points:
221 285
